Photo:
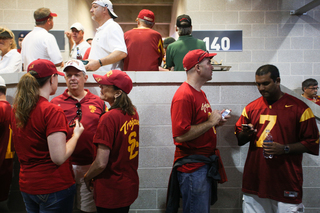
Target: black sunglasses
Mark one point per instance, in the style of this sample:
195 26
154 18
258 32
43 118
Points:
72 123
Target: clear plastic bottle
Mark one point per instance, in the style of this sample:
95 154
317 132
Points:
78 54
268 139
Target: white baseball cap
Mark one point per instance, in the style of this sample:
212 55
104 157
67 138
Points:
2 82
108 4
78 26
76 64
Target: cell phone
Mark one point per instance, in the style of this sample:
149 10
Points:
85 62
245 125
225 113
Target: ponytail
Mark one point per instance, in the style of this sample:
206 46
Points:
27 96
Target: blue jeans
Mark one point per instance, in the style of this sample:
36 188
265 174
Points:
195 189
57 202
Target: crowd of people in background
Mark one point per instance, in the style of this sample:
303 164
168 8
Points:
73 150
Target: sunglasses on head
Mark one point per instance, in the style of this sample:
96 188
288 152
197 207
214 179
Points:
72 123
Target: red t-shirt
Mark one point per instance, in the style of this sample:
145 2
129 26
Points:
6 150
145 50
191 107
289 121
118 185
92 107
38 174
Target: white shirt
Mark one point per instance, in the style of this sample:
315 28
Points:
39 43
109 37
10 62
83 46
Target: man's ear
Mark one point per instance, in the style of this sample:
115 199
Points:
51 78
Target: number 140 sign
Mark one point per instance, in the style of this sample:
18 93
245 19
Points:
220 40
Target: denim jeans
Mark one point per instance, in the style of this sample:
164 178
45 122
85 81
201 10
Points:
195 189
57 202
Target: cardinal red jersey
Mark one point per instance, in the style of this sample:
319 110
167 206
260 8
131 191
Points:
191 107
6 150
118 185
145 50
38 174
91 107
289 121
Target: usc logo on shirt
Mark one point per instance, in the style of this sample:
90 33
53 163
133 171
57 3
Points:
133 143
205 107
92 108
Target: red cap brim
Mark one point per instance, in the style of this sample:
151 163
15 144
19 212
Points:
60 73
210 55
53 14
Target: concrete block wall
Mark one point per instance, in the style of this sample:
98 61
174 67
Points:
270 35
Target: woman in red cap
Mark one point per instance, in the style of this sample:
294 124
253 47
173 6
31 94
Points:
114 171
39 129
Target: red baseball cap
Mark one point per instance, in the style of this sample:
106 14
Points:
194 57
44 68
117 78
147 15
45 18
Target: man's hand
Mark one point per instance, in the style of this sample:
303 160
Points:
215 117
68 34
245 134
88 182
93 65
224 120
248 129
273 148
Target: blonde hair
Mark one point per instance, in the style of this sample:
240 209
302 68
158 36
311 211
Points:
13 44
27 96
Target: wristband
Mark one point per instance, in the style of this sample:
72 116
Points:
100 62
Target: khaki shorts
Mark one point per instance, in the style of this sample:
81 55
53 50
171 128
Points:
84 198
254 204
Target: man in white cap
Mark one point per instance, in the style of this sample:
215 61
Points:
77 45
39 43
6 153
79 103
108 46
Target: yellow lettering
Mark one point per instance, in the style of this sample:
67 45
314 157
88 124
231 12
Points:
133 143
129 125
272 121
9 153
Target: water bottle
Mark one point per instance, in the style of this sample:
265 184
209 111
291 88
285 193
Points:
268 139
78 54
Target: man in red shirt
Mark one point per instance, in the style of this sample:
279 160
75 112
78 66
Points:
144 45
310 89
80 103
275 184
194 134
6 153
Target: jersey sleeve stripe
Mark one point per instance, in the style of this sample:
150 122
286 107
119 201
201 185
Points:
244 113
307 114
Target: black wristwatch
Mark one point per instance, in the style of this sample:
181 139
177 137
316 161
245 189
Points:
286 149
